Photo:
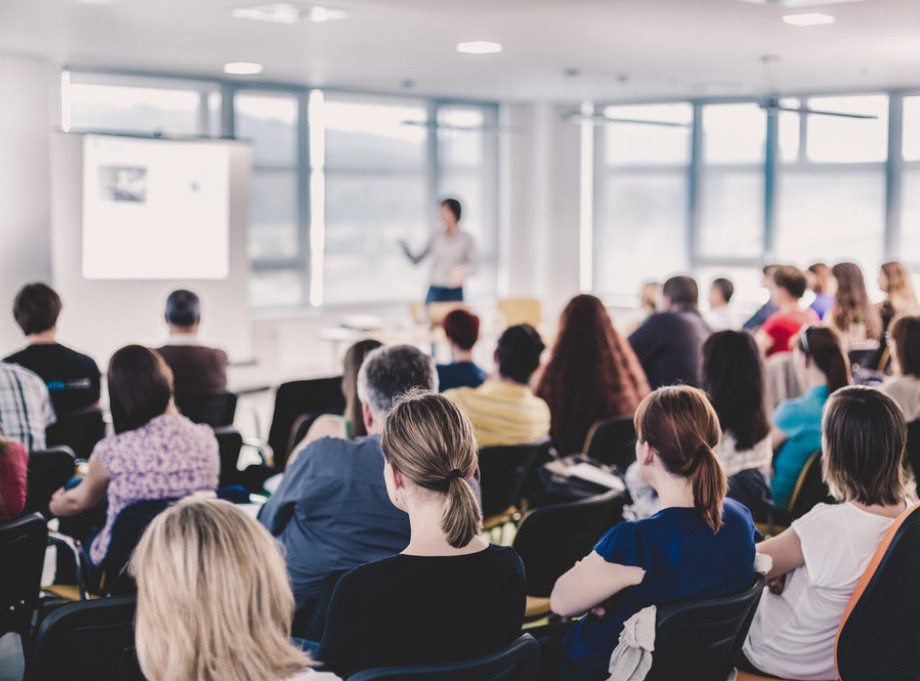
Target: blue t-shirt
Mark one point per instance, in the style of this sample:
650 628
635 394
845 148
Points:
800 419
682 558
460 375
822 304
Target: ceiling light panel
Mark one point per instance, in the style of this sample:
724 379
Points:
479 47
809 19
288 13
243 68
796 4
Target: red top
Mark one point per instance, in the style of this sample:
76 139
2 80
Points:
14 462
782 326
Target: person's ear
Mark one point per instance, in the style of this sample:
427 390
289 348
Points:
368 416
646 453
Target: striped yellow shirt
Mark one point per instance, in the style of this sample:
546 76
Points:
503 413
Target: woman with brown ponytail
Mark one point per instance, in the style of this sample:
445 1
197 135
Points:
449 595
699 544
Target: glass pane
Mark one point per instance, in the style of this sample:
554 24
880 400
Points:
911 135
643 233
831 216
273 230
638 144
789 132
366 216
138 110
731 214
269 121
910 217
734 133
270 288
459 147
373 136
832 139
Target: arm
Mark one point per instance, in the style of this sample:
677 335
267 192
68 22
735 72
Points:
777 438
591 582
416 259
85 495
786 552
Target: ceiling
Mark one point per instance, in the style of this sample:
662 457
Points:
622 49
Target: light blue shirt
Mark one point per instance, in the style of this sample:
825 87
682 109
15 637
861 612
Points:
800 419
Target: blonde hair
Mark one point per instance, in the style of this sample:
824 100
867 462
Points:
213 601
900 289
428 439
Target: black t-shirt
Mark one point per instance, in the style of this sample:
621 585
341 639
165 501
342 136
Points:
72 378
669 346
418 610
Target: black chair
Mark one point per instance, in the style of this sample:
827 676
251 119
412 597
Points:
517 662
913 447
214 410
701 639
80 430
22 554
48 470
296 398
301 427
127 530
613 442
503 472
230 443
83 641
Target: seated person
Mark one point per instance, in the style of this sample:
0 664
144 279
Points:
156 453
768 308
213 600
72 378
197 369
823 284
25 407
14 462
720 317
904 386
784 324
449 595
699 544
796 433
462 330
331 510
668 344
504 410
819 560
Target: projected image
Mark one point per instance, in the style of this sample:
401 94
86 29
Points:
120 183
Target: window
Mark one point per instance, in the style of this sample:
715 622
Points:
835 139
910 182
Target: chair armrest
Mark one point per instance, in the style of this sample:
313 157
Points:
65 543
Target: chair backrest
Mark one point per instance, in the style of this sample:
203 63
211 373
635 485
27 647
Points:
913 446
80 430
551 539
301 427
521 311
503 473
127 529
22 553
879 634
214 410
702 635
85 640
613 441
517 662
810 489
295 398
48 470
229 443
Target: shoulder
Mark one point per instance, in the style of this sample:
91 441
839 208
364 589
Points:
734 512
28 378
458 395
822 516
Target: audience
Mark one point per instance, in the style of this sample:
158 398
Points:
449 595
768 308
25 407
720 317
854 318
332 511
819 560
777 331
155 453
504 410
462 330
796 433
197 369
904 386
894 280
213 600
824 286
668 344
14 462
72 378
592 374
699 543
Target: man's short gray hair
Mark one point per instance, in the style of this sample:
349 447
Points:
390 371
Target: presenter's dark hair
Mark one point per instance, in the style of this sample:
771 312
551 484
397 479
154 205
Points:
140 387
682 290
183 308
36 308
454 207
518 352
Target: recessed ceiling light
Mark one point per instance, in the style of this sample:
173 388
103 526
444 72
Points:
800 3
479 47
809 19
287 13
242 68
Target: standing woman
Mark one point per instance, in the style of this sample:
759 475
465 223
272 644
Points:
592 374
854 318
453 256
894 280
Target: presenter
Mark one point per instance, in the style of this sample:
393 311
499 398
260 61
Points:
453 256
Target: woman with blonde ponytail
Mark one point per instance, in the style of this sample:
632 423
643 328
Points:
699 544
449 595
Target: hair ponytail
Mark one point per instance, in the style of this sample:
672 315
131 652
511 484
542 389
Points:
462 518
822 345
709 486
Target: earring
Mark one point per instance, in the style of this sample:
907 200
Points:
396 495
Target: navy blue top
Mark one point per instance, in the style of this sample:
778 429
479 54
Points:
460 375
669 346
682 558
763 314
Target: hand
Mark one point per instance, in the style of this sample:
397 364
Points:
57 499
599 611
777 584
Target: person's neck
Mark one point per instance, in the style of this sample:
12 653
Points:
886 510
674 492
42 338
498 378
183 330
815 378
452 228
426 536
461 355
718 306
788 306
